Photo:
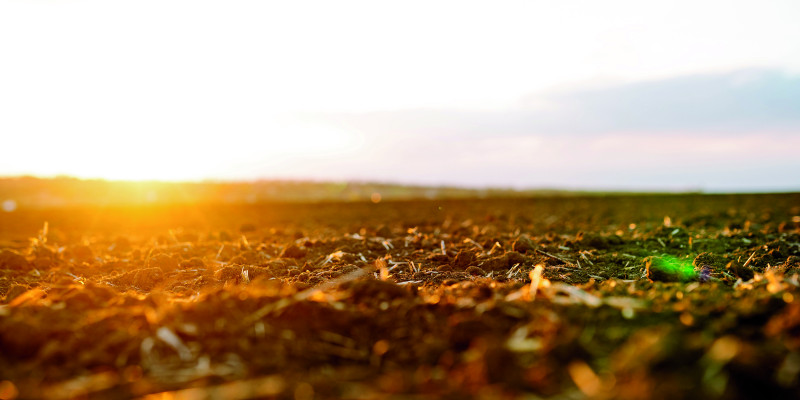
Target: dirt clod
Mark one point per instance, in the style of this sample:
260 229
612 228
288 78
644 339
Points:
10 259
79 253
739 270
463 260
163 262
475 271
292 251
712 260
523 244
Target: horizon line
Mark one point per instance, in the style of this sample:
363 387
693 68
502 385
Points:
687 189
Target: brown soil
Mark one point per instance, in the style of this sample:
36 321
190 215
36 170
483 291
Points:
405 299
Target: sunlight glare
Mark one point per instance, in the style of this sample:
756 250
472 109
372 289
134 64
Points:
272 149
9 205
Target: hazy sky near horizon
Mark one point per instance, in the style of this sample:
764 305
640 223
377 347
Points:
572 94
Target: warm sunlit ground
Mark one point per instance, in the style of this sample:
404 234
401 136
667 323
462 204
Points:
668 296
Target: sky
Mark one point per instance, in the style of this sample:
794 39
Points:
673 95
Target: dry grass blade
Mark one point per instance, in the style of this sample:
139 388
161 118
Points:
552 256
381 265
43 233
268 386
513 270
750 259
169 337
478 245
576 295
536 277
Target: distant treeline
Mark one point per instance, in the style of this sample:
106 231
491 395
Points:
66 191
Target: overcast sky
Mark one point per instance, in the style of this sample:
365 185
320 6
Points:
573 94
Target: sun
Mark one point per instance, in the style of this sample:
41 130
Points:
269 150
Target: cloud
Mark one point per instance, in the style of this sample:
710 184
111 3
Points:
734 131
729 103
740 102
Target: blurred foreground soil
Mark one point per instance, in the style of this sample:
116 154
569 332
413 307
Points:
624 297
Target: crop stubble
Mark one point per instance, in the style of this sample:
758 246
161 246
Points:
429 298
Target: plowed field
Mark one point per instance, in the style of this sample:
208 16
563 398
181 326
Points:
679 296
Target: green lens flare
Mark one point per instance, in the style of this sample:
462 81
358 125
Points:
668 268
